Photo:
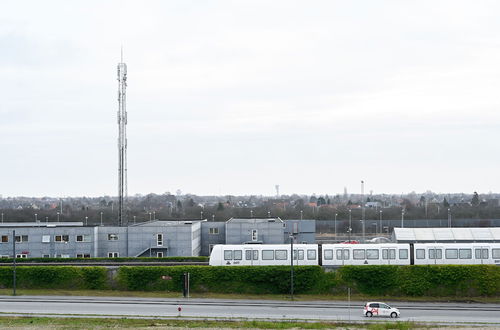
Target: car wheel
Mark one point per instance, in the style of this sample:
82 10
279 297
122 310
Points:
394 315
369 314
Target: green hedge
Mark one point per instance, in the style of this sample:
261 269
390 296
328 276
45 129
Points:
244 279
55 277
117 260
435 280
431 280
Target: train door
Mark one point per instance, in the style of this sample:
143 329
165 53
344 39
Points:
342 255
435 255
388 255
481 255
251 257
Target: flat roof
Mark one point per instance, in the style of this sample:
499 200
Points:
447 234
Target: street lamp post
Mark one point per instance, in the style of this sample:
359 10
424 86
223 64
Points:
291 266
134 219
301 214
380 224
86 220
58 216
402 218
101 218
251 213
335 225
350 225
154 215
36 217
213 217
268 214
201 215
449 218
149 216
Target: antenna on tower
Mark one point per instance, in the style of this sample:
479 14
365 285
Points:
122 140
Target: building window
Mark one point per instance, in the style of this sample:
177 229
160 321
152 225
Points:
255 235
21 238
46 256
112 237
403 254
211 247
113 254
22 255
45 238
83 255
159 239
62 238
214 231
3 256
83 238
159 254
62 255
5 239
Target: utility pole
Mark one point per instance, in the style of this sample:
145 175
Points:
14 262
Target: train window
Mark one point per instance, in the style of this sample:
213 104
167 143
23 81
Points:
451 253
465 253
483 255
389 254
343 254
311 254
237 255
358 254
301 254
495 253
420 253
435 254
228 255
251 254
403 254
372 254
281 255
267 254
328 255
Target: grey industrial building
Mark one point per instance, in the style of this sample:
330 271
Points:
157 238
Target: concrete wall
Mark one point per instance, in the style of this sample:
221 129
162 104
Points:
304 231
209 239
240 231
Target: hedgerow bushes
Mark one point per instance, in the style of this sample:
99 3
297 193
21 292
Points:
434 280
55 277
431 280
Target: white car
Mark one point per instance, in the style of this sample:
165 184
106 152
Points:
380 309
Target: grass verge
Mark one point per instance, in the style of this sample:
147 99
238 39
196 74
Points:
121 323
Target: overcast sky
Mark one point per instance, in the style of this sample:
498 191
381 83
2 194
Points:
233 97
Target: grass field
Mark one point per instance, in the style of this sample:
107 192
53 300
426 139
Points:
122 323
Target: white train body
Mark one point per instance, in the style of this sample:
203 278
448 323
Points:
365 254
263 255
334 255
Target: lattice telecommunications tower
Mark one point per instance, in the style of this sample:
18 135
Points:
122 141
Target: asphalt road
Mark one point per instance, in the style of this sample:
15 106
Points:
443 313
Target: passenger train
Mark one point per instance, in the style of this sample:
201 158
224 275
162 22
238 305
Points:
335 255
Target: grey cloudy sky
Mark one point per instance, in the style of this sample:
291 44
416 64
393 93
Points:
233 97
